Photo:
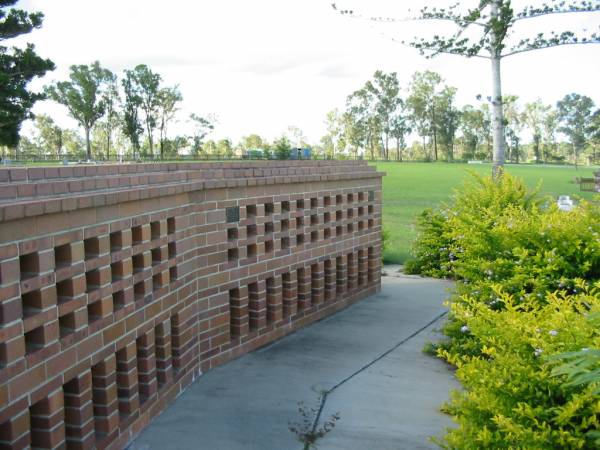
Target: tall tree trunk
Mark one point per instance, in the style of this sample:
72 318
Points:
434 129
88 146
150 140
497 107
108 133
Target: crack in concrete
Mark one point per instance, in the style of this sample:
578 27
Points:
325 394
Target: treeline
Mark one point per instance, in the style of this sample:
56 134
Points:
119 117
379 119
130 117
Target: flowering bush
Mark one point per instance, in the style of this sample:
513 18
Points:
512 396
512 239
523 329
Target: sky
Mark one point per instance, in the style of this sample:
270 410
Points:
260 66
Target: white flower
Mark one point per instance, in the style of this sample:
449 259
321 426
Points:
464 329
538 352
553 332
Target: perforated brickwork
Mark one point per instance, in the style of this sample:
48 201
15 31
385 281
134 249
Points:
119 285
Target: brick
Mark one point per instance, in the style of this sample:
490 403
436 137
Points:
161 239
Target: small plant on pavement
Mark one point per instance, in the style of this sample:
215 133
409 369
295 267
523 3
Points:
307 431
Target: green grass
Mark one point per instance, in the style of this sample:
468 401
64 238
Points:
409 188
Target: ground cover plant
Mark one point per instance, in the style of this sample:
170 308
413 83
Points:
409 188
524 324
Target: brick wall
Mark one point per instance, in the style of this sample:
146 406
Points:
120 284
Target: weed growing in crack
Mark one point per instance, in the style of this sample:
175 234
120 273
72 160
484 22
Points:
307 431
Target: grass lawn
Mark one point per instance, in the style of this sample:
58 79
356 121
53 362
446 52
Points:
409 188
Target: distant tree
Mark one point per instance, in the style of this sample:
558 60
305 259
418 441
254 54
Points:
296 137
110 122
361 122
400 129
253 142
384 91
550 128
575 114
50 135
168 98
447 120
131 126
334 141
513 127
282 148
225 148
534 115
209 148
148 88
83 96
594 131
202 127
474 126
353 131
421 102
495 19
17 68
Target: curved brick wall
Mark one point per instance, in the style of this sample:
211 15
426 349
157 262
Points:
120 284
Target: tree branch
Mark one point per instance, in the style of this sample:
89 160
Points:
561 8
525 50
554 40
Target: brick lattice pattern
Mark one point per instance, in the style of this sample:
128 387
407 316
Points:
120 284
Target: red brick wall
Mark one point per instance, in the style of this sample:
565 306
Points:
121 284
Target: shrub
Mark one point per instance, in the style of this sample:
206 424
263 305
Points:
512 396
475 207
523 329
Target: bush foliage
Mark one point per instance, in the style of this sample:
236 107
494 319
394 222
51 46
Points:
524 327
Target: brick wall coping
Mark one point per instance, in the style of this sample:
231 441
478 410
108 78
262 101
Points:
29 192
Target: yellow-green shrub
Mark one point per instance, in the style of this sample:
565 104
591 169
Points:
511 398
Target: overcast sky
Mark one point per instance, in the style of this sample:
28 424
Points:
262 65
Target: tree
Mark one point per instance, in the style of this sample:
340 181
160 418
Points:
550 127
224 148
202 127
594 130
474 126
282 148
253 142
132 127
334 141
296 137
17 68
421 101
83 96
168 98
495 20
361 121
147 86
534 116
447 120
400 128
50 135
111 118
384 91
513 126
575 114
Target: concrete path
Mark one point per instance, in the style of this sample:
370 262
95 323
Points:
368 357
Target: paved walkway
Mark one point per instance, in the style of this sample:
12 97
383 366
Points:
368 356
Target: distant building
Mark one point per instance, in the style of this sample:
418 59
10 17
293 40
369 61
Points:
301 153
